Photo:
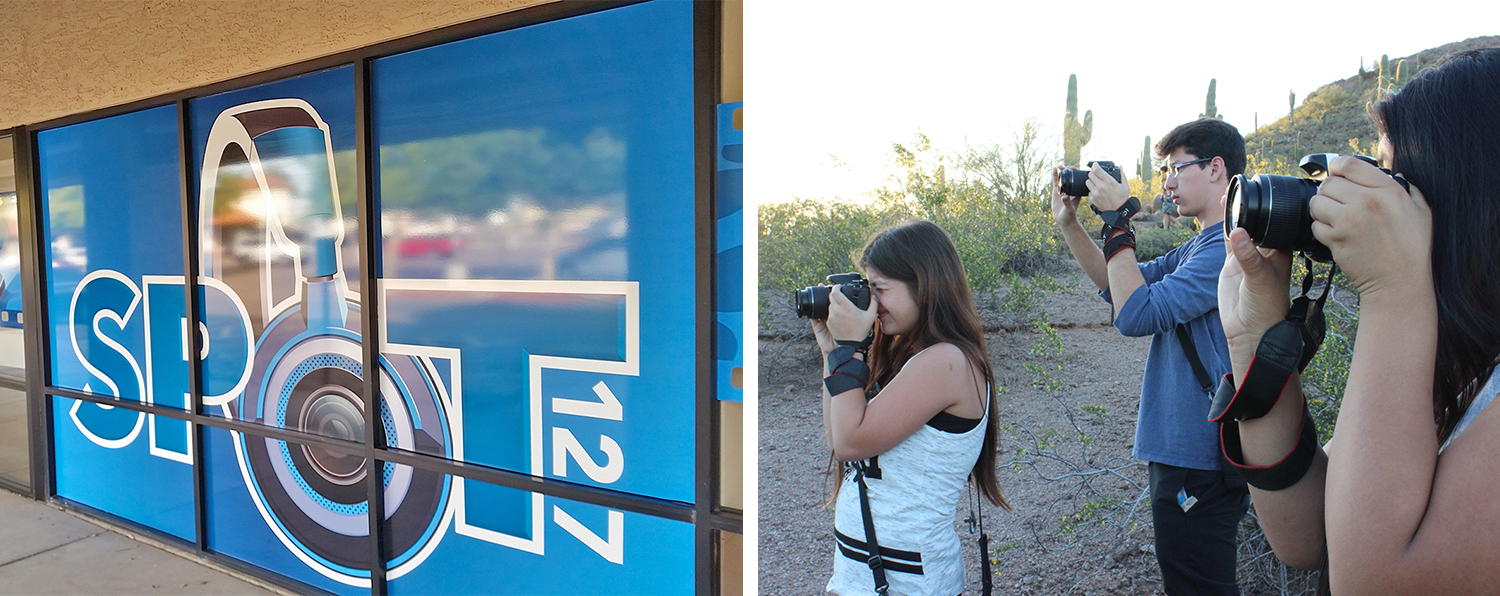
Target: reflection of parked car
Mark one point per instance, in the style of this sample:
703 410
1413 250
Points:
416 246
601 260
248 247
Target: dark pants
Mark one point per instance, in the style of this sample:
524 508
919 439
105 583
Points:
1195 548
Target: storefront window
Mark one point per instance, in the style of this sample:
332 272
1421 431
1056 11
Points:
114 246
15 455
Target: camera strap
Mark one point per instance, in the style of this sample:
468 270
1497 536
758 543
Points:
1118 219
1286 348
877 565
985 580
1282 474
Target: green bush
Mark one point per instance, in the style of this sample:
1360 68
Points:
1151 243
1001 226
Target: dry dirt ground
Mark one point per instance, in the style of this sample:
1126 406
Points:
1081 522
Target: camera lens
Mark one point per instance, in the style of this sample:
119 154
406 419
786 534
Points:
1273 209
812 303
1071 183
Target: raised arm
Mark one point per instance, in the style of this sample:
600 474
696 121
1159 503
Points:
1397 518
1079 241
1252 298
939 378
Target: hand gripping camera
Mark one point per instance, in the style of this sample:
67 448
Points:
812 302
1273 209
1071 182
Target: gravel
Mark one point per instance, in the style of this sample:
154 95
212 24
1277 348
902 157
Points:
1081 522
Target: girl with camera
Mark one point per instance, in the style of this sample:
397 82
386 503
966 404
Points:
1403 499
908 406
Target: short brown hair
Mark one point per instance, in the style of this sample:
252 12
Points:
1207 137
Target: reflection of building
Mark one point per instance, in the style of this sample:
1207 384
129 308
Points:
503 208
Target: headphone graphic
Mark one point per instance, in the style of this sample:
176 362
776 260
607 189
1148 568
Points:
306 370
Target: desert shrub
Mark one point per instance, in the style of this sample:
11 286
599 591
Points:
1151 243
999 223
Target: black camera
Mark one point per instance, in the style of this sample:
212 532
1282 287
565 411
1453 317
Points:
812 302
1273 209
1071 182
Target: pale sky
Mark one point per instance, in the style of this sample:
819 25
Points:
841 78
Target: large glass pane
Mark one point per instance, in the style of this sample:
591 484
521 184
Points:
271 504
537 209
125 476
278 242
113 219
15 455
462 551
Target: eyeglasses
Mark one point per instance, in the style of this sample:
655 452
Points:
1175 170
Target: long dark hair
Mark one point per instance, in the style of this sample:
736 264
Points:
1444 129
921 255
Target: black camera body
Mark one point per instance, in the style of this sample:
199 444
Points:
1273 209
1071 182
812 302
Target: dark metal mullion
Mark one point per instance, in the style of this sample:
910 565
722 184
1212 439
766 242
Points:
705 495
190 265
273 432
552 487
582 493
34 309
725 521
369 308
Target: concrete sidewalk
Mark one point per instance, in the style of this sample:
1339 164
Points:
44 550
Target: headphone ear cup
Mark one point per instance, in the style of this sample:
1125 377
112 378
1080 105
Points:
314 383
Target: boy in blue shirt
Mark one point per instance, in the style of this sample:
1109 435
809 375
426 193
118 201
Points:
1194 513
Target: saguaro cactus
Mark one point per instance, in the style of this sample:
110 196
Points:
1291 106
1210 108
1146 171
1385 72
1075 135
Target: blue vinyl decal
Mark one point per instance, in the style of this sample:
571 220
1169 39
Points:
112 215
729 190
537 206
537 297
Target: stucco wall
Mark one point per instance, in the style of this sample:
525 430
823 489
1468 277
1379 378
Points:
66 57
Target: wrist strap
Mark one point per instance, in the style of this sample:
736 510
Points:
1281 474
1118 219
845 372
1271 369
862 345
1119 243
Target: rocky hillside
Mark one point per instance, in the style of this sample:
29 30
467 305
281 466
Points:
1327 118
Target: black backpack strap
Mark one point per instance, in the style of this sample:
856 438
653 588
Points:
1232 478
877 567
985 580
1192 353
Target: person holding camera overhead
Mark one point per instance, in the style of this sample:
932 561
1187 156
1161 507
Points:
1195 507
908 407
1405 503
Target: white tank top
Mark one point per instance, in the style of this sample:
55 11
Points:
913 503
